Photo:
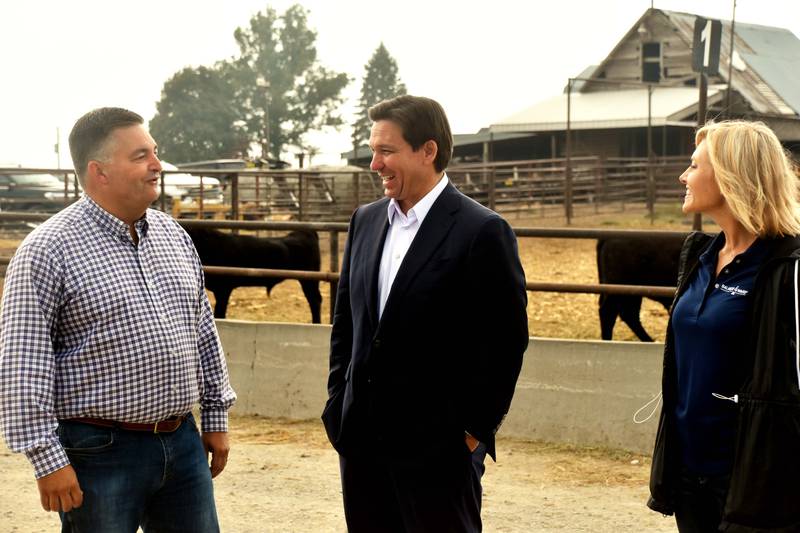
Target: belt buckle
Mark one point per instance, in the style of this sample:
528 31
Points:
171 419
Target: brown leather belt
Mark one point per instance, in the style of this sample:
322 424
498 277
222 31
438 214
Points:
164 426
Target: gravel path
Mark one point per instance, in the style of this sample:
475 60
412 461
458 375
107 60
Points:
283 477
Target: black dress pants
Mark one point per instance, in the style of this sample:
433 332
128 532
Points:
699 502
440 493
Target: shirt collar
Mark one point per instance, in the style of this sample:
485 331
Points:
109 222
754 254
421 208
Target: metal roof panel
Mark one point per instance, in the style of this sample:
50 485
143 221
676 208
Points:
606 109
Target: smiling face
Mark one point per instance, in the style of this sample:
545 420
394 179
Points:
702 190
407 175
126 182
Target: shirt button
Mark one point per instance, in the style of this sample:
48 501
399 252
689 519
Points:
726 271
716 285
738 261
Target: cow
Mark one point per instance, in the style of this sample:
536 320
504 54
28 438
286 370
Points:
635 261
299 250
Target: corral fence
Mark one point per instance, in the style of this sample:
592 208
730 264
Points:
537 187
335 228
597 185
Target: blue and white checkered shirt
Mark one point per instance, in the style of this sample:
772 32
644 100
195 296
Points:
93 325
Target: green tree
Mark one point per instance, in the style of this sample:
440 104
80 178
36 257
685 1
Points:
271 94
381 81
284 89
198 118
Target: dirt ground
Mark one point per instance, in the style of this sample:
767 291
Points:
283 477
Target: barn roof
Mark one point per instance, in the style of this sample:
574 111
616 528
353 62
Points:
765 60
768 60
482 136
608 110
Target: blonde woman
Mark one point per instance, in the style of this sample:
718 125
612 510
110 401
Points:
727 452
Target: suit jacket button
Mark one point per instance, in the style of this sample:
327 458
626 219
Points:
376 344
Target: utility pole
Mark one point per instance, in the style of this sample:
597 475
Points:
568 158
265 85
651 185
730 64
702 111
57 147
705 61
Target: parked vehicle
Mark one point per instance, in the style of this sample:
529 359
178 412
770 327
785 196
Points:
186 187
249 186
32 192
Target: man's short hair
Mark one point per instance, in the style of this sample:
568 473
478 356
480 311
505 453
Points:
90 134
421 120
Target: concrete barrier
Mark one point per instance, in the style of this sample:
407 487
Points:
579 392
586 392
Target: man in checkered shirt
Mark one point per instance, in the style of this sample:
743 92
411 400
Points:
107 341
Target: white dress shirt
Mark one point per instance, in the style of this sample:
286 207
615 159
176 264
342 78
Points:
402 230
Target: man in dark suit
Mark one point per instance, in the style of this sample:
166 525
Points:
428 334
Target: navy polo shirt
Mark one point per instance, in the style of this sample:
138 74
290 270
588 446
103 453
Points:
711 326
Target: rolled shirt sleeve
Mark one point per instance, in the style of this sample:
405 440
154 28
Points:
218 395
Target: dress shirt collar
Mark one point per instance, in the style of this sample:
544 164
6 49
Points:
108 222
421 208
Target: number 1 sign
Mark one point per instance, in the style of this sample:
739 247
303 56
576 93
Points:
705 49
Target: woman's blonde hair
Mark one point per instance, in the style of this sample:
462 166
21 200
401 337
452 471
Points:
755 175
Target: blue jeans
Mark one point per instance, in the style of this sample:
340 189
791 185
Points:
159 481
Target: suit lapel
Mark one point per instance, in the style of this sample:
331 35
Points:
434 229
376 237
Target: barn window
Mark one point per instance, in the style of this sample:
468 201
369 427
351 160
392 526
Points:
651 62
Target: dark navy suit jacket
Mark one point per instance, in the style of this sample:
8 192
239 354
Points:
446 353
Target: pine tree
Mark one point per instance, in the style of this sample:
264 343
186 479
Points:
381 81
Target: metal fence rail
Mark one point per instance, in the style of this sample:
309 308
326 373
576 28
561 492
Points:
534 286
335 228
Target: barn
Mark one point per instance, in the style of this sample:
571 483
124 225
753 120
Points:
609 101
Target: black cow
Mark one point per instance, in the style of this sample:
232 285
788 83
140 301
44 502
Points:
634 261
299 250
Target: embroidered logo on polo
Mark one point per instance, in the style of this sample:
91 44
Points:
735 291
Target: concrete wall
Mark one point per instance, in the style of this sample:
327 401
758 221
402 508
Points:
586 392
580 392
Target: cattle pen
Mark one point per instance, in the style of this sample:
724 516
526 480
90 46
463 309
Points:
334 229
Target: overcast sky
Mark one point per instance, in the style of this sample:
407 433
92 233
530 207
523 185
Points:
482 60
